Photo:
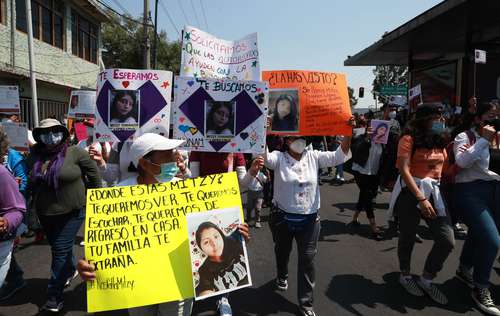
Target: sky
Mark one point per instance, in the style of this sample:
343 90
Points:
292 34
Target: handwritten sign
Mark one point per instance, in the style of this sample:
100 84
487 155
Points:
137 239
17 133
9 100
308 103
206 56
132 102
220 115
82 104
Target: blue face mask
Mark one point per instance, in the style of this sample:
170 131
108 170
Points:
168 172
438 127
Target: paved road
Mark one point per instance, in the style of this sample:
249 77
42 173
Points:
355 275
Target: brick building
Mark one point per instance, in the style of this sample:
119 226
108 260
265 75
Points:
67 50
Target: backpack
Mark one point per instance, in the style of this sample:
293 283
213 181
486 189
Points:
449 175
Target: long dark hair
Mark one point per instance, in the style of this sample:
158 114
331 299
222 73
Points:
229 243
379 126
118 96
291 118
420 131
210 122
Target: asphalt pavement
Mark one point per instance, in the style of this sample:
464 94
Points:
355 275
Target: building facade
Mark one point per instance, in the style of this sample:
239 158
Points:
66 45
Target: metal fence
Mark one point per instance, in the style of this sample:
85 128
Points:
46 108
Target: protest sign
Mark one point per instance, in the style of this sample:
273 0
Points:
132 102
215 234
137 239
81 104
220 115
308 103
9 100
17 133
380 130
415 97
81 131
206 56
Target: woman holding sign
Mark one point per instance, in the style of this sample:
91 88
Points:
295 210
60 175
154 157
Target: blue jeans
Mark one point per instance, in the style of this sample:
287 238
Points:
339 170
61 231
479 204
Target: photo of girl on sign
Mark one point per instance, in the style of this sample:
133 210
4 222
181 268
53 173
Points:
380 131
218 254
219 118
284 110
124 109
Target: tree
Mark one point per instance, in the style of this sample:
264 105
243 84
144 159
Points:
123 40
395 75
352 99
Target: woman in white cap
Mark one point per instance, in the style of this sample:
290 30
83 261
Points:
60 174
154 156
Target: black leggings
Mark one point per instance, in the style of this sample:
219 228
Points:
368 189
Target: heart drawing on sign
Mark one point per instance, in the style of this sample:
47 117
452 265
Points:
193 130
184 128
125 84
190 83
244 135
182 119
233 144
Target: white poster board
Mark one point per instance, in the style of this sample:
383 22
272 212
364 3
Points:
17 134
9 100
82 104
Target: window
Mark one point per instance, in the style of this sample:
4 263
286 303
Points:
47 19
3 14
83 38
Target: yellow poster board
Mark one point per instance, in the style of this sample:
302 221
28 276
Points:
137 239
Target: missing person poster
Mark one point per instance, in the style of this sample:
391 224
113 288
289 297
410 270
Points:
132 102
308 103
219 260
82 104
380 131
220 115
137 239
206 56
17 133
9 100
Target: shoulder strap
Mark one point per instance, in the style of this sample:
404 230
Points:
471 136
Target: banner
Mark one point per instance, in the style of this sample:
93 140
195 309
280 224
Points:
206 56
137 239
9 100
216 234
220 115
82 104
17 134
132 102
308 103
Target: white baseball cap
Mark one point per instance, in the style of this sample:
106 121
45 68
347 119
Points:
149 142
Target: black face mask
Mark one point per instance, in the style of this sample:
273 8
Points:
494 122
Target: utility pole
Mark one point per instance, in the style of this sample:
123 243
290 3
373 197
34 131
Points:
155 40
34 97
147 45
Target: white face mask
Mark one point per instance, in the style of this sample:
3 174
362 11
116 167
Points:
392 114
298 146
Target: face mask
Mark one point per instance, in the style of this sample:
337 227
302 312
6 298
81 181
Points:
51 138
298 146
438 127
392 114
167 172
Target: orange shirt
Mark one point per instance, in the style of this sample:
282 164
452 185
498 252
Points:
423 162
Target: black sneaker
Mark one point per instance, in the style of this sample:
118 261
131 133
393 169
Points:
354 224
52 306
282 284
307 312
483 299
377 236
465 276
8 289
418 239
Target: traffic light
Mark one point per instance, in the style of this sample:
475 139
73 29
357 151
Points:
361 93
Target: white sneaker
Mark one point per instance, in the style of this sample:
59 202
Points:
483 299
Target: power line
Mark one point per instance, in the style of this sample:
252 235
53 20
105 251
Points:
119 5
164 8
183 11
124 16
204 15
195 14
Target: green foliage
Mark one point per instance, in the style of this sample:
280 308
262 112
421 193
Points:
389 75
124 42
